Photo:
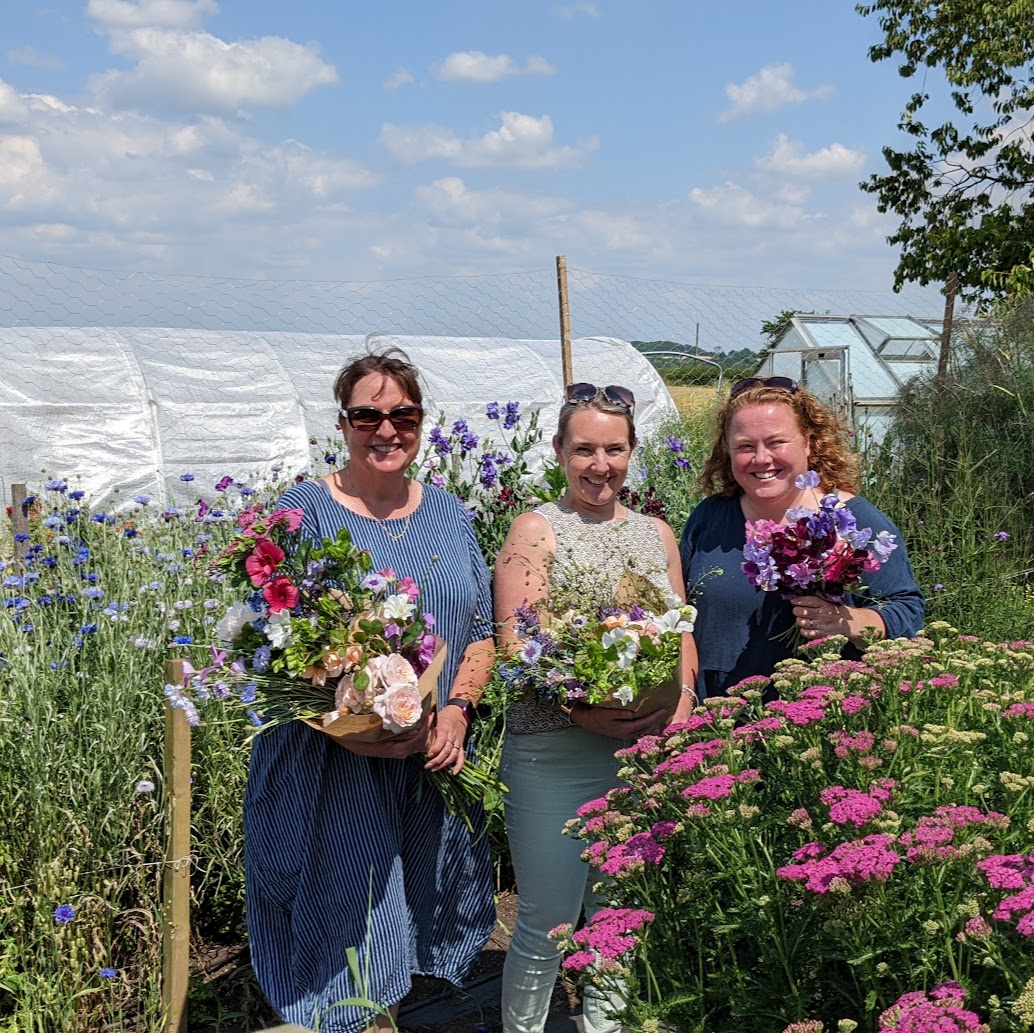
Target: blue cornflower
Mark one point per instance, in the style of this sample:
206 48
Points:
64 913
143 500
330 458
98 518
513 414
255 719
186 477
110 973
182 640
56 485
131 532
248 693
492 410
88 629
245 490
21 537
76 495
260 660
94 593
71 514
531 651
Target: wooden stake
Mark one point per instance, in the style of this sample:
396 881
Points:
565 319
176 884
19 521
949 317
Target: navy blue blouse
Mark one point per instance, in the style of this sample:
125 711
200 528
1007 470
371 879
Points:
741 631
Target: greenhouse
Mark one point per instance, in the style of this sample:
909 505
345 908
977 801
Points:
127 411
857 364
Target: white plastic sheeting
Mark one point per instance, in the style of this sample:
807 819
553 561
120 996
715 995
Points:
125 411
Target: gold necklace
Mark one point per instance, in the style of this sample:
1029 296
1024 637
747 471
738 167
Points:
382 522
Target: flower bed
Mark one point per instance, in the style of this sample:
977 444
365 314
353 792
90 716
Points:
857 853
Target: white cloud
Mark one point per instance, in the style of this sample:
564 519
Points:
568 11
770 89
788 158
31 57
475 66
451 202
116 15
402 77
13 108
521 141
196 72
733 204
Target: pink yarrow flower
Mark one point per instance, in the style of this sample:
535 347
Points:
939 1011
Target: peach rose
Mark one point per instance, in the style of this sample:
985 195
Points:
399 706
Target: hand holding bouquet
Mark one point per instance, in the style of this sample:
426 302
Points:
621 657
822 552
320 636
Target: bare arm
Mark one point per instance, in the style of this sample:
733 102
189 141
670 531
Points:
450 729
689 662
522 571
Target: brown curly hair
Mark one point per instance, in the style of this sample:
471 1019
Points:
830 456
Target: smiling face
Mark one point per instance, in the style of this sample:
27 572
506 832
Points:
594 452
385 450
768 452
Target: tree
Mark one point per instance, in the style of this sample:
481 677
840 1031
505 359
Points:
963 193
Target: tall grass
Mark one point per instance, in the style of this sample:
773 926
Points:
89 621
956 473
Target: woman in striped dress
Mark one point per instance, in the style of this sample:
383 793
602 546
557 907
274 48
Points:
347 846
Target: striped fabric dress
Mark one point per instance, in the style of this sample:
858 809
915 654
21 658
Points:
348 851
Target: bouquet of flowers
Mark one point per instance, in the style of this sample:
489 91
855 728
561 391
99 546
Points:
615 656
817 552
322 637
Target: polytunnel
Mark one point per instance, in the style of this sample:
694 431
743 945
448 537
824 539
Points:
124 411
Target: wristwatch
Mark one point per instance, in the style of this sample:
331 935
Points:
466 706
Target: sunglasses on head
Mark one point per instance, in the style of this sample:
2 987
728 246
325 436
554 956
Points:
614 393
366 417
780 383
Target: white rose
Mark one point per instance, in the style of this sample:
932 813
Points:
399 707
236 618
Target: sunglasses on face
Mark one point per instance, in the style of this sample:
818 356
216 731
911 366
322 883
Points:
366 417
781 383
614 393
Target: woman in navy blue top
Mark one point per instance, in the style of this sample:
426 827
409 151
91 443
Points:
770 431
350 846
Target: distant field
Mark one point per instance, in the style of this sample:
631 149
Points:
690 398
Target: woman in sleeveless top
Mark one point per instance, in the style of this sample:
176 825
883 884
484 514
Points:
553 762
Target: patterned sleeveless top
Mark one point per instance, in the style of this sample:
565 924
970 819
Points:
591 558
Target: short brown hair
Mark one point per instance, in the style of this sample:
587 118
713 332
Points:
391 362
830 457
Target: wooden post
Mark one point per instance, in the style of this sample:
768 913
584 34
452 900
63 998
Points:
176 884
19 521
949 315
565 319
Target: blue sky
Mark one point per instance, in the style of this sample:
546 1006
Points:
683 140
